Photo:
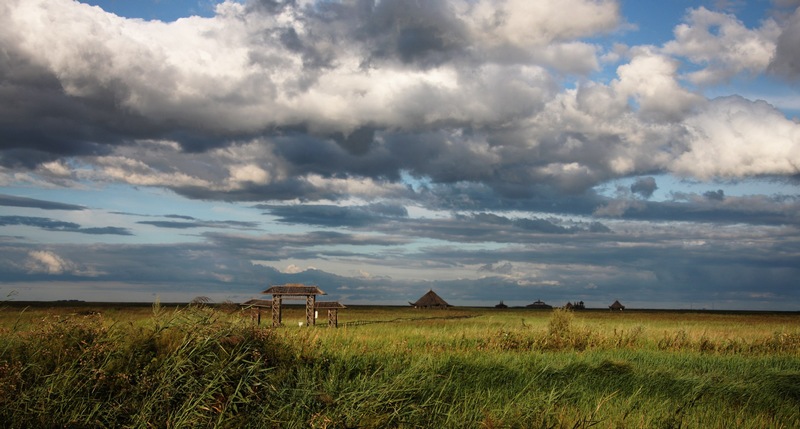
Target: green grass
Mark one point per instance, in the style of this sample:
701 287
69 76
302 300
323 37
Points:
475 368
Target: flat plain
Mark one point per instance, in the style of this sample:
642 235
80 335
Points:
113 365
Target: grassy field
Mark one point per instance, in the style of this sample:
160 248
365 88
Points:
168 366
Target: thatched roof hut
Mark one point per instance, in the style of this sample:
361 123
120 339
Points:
294 289
265 303
430 300
501 305
539 304
616 306
579 305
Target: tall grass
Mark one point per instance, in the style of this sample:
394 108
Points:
202 367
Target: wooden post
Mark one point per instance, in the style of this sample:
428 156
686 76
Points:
333 318
276 311
310 320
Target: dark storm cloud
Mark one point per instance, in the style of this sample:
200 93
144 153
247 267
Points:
390 218
170 224
39 122
786 61
335 155
490 227
544 226
16 201
357 142
426 33
110 230
644 186
668 257
532 197
329 215
305 246
504 120
686 212
662 273
708 207
39 222
174 216
426 93
191 267
56 225
658 267
199 224
717 195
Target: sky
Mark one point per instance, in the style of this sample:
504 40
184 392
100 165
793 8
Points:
490 150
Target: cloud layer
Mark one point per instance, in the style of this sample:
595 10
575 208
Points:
507 125
318 100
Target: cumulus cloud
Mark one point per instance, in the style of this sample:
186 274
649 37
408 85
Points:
283 101
294 269
650 79
49 262
723 45
735 137
465 141
251 68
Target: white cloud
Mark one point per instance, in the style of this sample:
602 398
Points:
366 188
650 79
48 262
524 23
734 137
42 261
56 168
294 269
723 45
137 172
234 72
248 173
225 278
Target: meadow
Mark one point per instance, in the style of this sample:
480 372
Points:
396 367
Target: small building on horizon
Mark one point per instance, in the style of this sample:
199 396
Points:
616 306
431 300
501 305
539 304
578 305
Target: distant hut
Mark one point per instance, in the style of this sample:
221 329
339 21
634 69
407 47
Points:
616 306
254 306
430 300
539 304
256 303
579 305
501 305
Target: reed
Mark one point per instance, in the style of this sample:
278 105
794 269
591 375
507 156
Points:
203 366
